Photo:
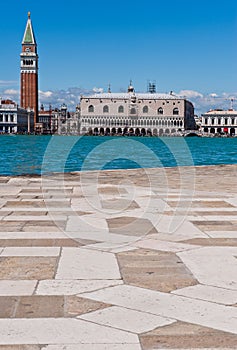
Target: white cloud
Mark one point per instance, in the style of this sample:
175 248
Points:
213 95
100 90
45 94
11 92
8 82
190 94
71 97
205 102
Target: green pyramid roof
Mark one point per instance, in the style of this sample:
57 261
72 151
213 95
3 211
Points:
29 37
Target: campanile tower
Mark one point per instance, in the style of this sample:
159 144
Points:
29 70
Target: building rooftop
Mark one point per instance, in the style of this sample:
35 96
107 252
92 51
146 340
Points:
127 95
221 112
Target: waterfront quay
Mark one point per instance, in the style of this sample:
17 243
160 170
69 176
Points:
119 260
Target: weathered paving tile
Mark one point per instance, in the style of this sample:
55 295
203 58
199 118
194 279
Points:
30 251
60 331
209 293
216 213
36 227
37 306
51 242
17 288
21 268
209 225
112 190
71 287
223 242
223 234
201 204
130 226
7 306
220 270
182 335
28 213
76 263
220 317
11 226
125 319
5 212
154 270
119 204
165 246
41 223
25 204
74 305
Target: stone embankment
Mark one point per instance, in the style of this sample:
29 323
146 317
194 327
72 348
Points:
119 260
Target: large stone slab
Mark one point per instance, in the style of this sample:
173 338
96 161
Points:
157 270
30 251
72 287
60 331
17 288
125 319
216 266
23 268
209 293
182 336
77 263
199 312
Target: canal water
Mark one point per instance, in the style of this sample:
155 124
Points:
23 154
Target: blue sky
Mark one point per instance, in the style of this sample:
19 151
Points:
182 45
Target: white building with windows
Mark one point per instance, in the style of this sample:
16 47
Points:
134 113
219 121
14 119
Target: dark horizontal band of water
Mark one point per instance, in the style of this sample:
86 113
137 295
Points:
32 154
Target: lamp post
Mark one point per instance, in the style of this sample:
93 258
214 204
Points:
28 113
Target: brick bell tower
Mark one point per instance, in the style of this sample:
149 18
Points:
29 70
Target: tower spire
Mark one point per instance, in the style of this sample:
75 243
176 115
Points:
29 70
130 87
29 36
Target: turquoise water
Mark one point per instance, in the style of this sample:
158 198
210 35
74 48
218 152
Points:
46 154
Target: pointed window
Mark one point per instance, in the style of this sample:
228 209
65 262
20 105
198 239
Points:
160 110
106 109
120 109
145 109
91 109
175 111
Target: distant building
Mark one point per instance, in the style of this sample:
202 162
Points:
47 120
14 119
29 71
135 114
68 123
219 121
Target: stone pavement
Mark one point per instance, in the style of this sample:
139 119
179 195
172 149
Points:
119 260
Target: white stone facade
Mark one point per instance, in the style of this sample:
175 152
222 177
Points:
14 119
219 122
135 114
